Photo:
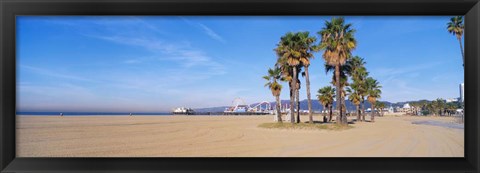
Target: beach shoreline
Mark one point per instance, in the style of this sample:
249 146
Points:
230 136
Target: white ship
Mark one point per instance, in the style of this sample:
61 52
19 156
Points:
183 111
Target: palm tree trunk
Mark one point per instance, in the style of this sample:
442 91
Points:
307 80
324 113
292 117
344 109
297 95
372 118
461 49
279 112
338 94
363 110
294 89
331 112
358 112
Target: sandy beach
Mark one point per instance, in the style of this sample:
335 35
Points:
230 136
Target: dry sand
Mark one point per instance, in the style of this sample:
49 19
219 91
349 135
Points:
229 136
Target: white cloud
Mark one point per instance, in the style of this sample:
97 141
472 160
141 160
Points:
166 73
132 61
208 31
212 33
52 73
403 69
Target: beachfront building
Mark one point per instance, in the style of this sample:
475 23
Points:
406 108
462 92
390 109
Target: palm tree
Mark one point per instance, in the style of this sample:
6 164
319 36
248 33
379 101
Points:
287 75
297 95
431 107
362 87
273 76
380 105
358 73
355 98
456 27
325 95
337 41
289 54
373 91
345 69
307 48
451 108
415 106
440 104
423 106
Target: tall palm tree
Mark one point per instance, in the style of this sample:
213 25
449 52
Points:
362 87
325 95
373 91
272 77
345 70
456 27
297 95
337 41
287 75
358 73
307 48
289 54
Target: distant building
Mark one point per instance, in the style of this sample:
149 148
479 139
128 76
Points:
406 109
451 100
462 92
390 109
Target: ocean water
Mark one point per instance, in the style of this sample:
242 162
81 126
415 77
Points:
441 124
92 113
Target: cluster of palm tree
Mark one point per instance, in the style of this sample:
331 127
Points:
435 107
295 52
360 88
325 97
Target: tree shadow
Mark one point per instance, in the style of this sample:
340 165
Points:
319 122
355 121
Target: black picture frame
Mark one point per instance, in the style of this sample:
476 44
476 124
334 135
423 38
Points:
11 8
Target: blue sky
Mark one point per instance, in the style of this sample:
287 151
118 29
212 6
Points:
149 64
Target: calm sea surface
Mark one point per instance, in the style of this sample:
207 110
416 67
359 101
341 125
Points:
93 113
